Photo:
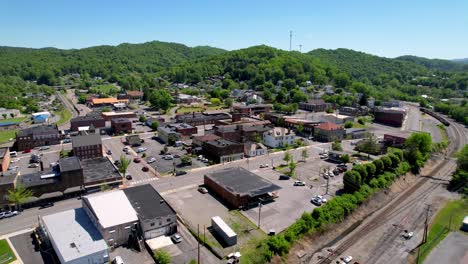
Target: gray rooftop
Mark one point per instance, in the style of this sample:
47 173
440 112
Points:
74 234
99 170
39 130
89 117
69 164
35 178
147 202
86 140
221 143
243 182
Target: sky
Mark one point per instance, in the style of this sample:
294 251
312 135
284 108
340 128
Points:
430 28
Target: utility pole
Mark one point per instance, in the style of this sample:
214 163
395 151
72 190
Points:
300 48
198 234
328 179
424 239
259 214
290 40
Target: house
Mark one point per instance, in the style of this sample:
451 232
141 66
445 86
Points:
315 105
87 146
73 237
390 116
156 216
44 135
135 96
85 121
107 101
113 216
115 115
253 109
252 149
240 187
187 99
336 118
133 140
222 150
121 125
327 132
279 137
41 117
4 159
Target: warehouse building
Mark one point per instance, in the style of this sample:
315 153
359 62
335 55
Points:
240 187
74 237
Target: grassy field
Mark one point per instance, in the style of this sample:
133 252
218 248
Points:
14 120
448 219
6 254
6 135
106 89
65 116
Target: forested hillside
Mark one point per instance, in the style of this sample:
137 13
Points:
435 64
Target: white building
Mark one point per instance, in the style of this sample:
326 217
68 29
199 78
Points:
74 237
336 118
112 214
279 137
254 149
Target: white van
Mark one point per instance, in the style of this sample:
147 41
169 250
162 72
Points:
13 154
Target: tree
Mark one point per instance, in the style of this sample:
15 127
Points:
161 256
369 145
418 147
345 158
19 195
228 102
105 109
215 101
287 157
123 166
186 160
292 169
300 129
142 119
379 166
4 116
154 125
387 162
160 99
348 124
352 181
304 154
336 146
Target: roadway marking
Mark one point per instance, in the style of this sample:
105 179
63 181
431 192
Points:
143 181
190 186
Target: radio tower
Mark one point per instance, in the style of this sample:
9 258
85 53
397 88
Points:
290 40
300 48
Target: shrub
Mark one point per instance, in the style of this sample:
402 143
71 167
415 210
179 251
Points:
379 166
348 124
161 257
387 162
395 159
278 245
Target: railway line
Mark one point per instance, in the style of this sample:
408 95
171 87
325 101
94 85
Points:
399 204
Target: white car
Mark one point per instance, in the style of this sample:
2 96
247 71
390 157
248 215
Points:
44 148
168 157
118 260
347 259
322 199
264 165
10 214
139 150
408 235
13 168
151 160
14 160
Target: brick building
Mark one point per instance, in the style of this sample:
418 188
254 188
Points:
199 119
389 116
243 132
222 150
121 125
315 105
253 109
116 115
4 159
44 135
327 132
87 146
85 121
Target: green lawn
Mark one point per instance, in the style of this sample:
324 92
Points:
65 116
106 89
189 109
6 254
6 135
448 219
14 120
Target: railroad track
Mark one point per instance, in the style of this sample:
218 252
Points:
456 143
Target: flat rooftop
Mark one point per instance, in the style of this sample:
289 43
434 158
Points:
86 140
147 202
243 182
69 164
99 170
111 208
74 234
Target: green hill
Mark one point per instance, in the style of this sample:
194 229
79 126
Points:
434 64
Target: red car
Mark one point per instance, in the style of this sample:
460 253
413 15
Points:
27 151
145 169
137 160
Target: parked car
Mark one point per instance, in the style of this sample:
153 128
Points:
145 169
118 260
176 238
137 160
176 156
44 148
299 183
10 214
46 205
140 150
202 190
14 160
316 201
33 165
408 235
347 259
264 165
322 199
67 140
168 157
336 171
117 162
13 168
109 152
128 176
323 155
179 173
27 151
151 160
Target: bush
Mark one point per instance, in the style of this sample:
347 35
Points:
142 119
387 162
161 256
345 158
348 124
278 245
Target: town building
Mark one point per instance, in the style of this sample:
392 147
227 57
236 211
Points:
187 99
197 141
253 109
393 103
327 132
252 149
7 182
100 171
38 136
336 118
199 119
394 140
107 101
315 105
41 117
355 133
157 217
390 116
117 115
133 140
240 187
296 124
279 137
222 150
135 96
4 159
87 146
9 125
121 125
168 135
73 237
243 132
86 121
352 111
113 215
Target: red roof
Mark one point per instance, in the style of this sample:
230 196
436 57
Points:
328 126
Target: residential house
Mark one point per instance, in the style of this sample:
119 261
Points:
279 137
252 149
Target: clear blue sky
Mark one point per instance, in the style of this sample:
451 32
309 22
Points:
430 28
